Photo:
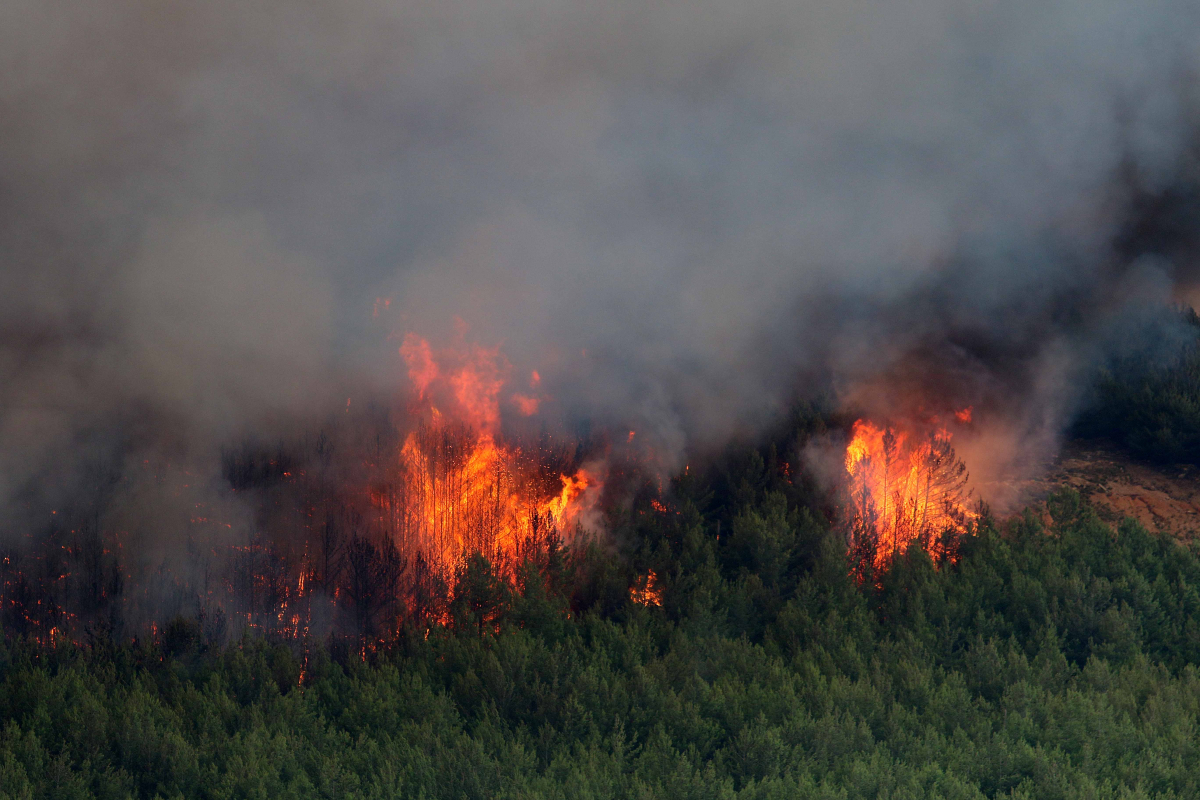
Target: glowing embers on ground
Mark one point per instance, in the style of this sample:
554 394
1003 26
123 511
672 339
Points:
646 590
458 487
906 486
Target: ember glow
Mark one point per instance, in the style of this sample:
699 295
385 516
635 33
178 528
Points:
906 486
646 590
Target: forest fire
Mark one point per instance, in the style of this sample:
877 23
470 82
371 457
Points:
459 487
907 486
358 530
646 590
393 544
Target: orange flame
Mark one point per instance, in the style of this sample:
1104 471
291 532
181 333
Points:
646 590
905 488
422 369
459 487
477 388
526 405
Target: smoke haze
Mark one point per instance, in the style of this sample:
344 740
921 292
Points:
681 215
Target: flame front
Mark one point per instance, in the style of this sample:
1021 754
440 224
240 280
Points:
374 542
905 488
459 488
461 492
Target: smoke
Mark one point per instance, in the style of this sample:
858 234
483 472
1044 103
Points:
681 214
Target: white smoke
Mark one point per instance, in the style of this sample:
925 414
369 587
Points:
675 212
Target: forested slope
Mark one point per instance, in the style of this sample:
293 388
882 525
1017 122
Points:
1147 400
1045 662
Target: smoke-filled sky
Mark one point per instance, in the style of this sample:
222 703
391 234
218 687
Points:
680 213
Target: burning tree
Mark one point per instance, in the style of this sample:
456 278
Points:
429 519
456 492
904 489
457 488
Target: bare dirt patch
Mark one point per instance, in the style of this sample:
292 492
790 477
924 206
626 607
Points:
1164 499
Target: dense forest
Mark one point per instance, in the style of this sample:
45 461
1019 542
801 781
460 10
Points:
1146 399
469 400
719 649
720 640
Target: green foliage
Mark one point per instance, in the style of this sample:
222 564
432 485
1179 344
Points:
1149 402
1048 661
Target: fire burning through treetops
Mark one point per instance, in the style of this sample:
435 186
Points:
373 524
460 488
906 486
357 529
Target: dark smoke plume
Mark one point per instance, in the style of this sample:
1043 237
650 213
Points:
683 215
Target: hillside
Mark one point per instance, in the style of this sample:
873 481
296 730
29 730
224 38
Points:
1162 499
1044 661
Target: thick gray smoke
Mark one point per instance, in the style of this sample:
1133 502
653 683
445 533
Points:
680 213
